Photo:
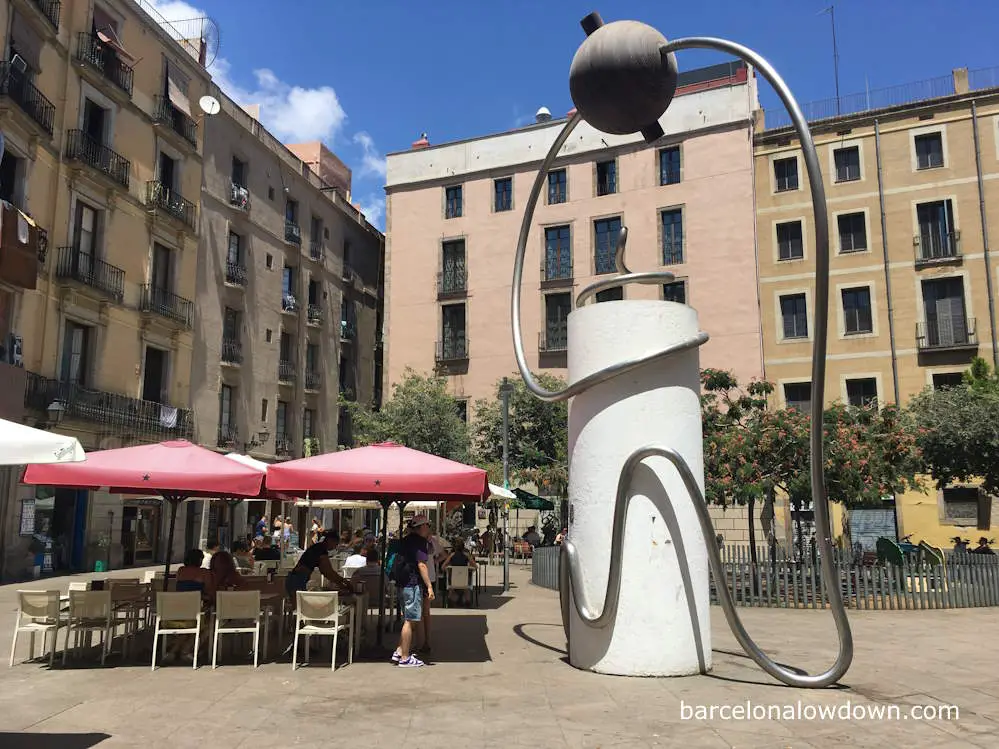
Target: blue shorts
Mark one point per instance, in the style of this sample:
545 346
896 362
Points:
411 601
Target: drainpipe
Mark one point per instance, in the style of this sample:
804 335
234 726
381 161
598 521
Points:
884 248
985 234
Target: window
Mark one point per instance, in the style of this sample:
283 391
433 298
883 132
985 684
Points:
798 395
85 224
789 241
461 408
929 150
264 410
786 174
852 232
503 194
675 291
946 321
282 420
234 255
558 253
291 211
943 380
606 232
453 341
672 225
12 178
161 276
847 162
95 126
155 385
76 344
238 172
606 177
315 291
857 310
452 201
611 295
862 392
285 347
311 357
557 187
557 309
316 229
289 299
308 423
227 415
453 267
169 170
669 165
230 324
937 240
794 315
961 505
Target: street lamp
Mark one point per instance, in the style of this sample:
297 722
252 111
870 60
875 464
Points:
505 391
54 413
261 439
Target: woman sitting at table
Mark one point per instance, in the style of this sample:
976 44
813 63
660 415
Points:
191 577
458 558
224 572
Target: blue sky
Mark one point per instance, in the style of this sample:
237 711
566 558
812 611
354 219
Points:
368 77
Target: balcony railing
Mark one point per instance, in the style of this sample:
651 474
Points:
292 232
452 282
452 349
937 247
118 412
235 273
239 196
286 371
282 444
313 381
228 436
162 197
289 303
347 276
317 250
14 84
348 330
315 314
51 9
81 147
554 339
84 267
232 350
105 60
557 271
947 333
167 304
166 113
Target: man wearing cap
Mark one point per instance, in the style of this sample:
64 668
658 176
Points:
414 553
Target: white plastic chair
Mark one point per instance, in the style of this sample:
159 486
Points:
89 611
320 614
175 615
458 580
237 612
37 611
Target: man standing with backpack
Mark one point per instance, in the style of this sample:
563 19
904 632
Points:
412 577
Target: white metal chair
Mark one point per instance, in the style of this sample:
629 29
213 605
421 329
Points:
458 579
320 614
37 611
237 612
178 614
89 611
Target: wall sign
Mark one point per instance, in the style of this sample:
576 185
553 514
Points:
27 517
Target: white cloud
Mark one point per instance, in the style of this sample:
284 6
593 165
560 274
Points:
373 208
372 162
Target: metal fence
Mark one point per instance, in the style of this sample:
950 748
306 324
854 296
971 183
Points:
783 581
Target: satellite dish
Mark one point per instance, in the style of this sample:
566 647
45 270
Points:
209 105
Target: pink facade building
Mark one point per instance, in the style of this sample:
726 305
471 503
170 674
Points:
453 213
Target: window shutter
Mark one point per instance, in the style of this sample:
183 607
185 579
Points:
177 89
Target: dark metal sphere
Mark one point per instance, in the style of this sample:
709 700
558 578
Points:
619 80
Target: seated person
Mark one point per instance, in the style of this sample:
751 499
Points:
241 555
459 558
532 536
267 551
224 572
368 574
191 577
357 559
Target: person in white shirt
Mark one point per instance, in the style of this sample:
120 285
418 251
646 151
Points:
211 547
357 559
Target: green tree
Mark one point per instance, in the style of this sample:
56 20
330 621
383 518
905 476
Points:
421 414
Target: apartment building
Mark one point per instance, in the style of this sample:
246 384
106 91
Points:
453 213
288 289
910 177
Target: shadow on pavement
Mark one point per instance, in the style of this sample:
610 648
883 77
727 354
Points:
519 631
51 740
458 638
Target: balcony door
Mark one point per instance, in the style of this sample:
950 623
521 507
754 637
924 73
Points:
557 309
234 256
76 354
154 375
946 321
227 419
162 271
168 172
936 229
84 239
95 119
453 261
12 179
453 330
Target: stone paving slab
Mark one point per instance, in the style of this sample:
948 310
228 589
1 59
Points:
499 680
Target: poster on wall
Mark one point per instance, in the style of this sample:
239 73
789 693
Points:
27 517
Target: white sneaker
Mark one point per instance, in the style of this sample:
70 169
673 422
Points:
396 657
411 662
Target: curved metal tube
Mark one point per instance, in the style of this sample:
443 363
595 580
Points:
570 572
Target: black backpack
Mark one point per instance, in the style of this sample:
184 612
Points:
400 570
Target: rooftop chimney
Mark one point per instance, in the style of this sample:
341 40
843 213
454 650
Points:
543 115
423 142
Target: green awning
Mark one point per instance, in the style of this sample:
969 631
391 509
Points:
527 501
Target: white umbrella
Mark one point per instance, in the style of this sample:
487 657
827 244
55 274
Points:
500 492
24 445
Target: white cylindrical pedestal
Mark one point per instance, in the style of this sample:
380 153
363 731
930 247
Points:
660 619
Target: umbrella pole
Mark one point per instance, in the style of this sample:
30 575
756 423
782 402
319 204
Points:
174 502
381 581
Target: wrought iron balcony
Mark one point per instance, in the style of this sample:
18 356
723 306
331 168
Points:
317 250
282 444
553 339
315 314
51 9
83 267
947 334
172 203
452 282
228 436
348 330
81 147
289 303
235 273
239 196
232 350
120 413
286 371
557 271
292 232
937 247
347 276
167 304
105 60
22 92
165 113
313 381
452 349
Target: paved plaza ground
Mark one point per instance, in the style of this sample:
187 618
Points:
499 679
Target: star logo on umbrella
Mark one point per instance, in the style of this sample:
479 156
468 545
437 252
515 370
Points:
378 482
145 477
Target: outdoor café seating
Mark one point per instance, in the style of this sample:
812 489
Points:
89 612
237 612
177 614
37 611
320 614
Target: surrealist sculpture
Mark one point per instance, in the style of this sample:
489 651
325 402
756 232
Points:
635 570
